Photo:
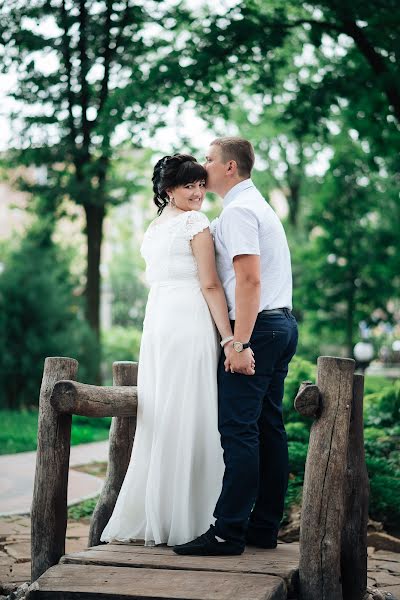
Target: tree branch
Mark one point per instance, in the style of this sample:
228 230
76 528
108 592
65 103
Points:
323 24
376 62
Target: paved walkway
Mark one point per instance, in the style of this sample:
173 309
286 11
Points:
17 473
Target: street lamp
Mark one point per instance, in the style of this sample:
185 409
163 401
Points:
363 353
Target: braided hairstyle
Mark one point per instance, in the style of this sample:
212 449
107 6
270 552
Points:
173 171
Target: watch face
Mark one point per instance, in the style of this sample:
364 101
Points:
238 346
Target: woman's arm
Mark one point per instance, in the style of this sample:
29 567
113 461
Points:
203 250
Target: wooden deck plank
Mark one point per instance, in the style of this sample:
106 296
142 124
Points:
84 582
281 562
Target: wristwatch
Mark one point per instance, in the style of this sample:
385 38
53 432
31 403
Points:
240 346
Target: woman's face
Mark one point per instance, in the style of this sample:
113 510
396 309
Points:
189 196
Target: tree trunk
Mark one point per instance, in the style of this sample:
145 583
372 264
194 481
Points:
94 231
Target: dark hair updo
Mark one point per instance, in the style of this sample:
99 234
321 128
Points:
173 171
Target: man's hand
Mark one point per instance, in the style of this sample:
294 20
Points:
240 362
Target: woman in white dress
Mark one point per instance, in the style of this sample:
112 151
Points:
175 474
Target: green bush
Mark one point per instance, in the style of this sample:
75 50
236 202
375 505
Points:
383 407
40 315
119 343
384 499
299 370
297 457
83 509
298 431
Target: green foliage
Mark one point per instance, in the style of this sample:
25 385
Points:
299 370
126 269
350 267
19 430
40 316
119 343
381 441
383 407
82 510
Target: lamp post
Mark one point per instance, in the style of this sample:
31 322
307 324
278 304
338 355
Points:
363 353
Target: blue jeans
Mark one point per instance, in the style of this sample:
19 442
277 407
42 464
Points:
253 435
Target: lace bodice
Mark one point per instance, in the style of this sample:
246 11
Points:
167 251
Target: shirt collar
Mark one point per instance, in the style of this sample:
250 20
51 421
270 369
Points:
239 187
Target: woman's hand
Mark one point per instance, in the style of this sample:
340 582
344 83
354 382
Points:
239 362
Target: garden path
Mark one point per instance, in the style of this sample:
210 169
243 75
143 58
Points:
17 473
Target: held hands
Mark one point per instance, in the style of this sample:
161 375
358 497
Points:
239 362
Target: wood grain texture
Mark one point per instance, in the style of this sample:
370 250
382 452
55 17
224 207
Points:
122 432
67 582
354 535
324 483
282 562
307 401
94 401
49 505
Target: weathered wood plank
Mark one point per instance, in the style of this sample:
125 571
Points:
49 505
323 491
122 432
354 535
69 582
281 562
87 400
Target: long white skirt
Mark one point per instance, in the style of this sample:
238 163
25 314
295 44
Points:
175 473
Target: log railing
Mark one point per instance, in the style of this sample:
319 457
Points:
60 398
333 551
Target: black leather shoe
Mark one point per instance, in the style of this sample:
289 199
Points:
208 545
261 541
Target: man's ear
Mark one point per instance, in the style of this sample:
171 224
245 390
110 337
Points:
232 167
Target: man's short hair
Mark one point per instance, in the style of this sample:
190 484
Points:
239 150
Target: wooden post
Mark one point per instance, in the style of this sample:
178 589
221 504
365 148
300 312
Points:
323 491
49 505
354 535
122 432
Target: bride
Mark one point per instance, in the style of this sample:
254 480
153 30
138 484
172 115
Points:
175 474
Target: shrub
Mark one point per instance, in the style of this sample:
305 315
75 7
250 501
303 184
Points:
40 316
299 370
383 407
119 343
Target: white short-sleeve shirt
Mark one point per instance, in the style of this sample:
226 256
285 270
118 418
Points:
248 225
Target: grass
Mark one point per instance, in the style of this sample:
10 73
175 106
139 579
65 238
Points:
83 510
18 432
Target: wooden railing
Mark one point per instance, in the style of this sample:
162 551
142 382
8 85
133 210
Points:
333 552
334 514
60 398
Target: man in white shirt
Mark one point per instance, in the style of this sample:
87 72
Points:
253 262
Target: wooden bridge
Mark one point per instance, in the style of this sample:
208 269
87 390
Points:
329 564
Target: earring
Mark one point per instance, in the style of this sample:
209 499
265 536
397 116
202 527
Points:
172 201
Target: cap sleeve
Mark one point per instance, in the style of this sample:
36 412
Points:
195 223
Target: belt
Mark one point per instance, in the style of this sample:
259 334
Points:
275 311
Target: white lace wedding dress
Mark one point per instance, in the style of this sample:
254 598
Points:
176 468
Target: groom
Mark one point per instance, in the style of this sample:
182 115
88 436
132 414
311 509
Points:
253 262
